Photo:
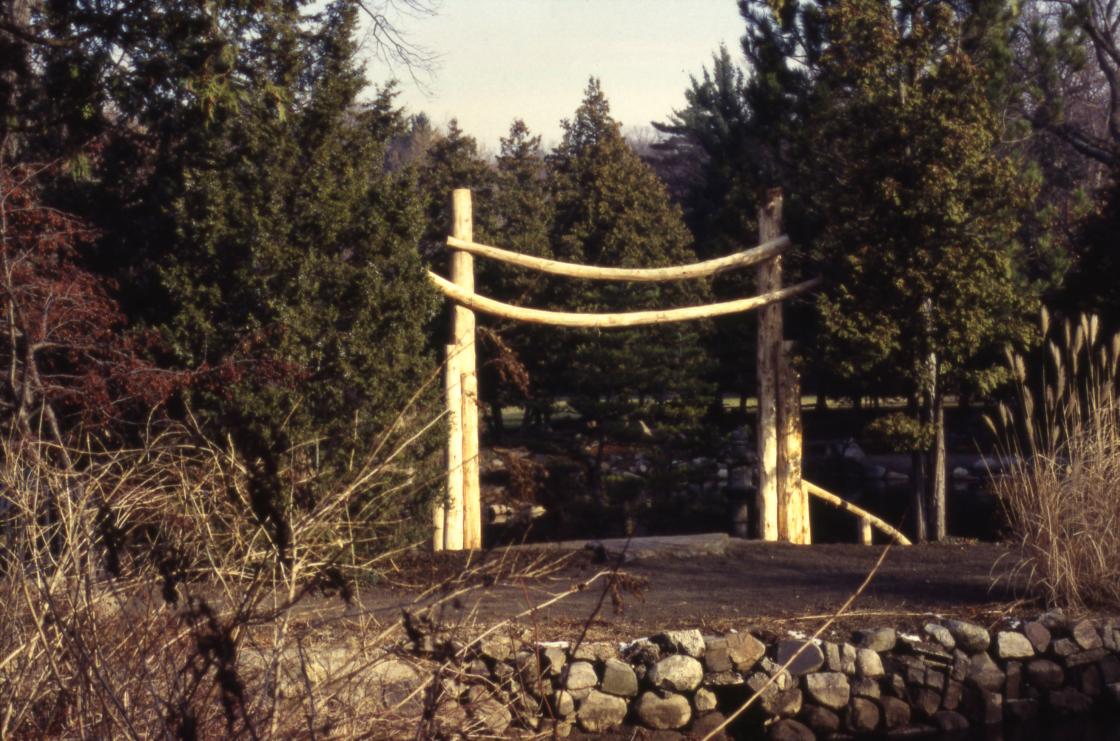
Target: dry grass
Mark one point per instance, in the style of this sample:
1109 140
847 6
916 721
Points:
1061 492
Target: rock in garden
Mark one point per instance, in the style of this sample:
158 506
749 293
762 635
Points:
940 634
1081 658
555 657
985 673
723 679
863 716
1038 635
823 721
716 656
668 712
600 712
1110 669
925 701
1069 701
868 664
704 700
867 687
830 689
949 721
595 651
896 713
707 723
877 639
562 703
491 717
1085 635
961 662
580 677
619 679
496 648
1089 681
788 729
808 660
774 701
678 672
744 650
642 651
1053 619
951 699
1045 674
1020 710
1013 685
970 637
1064 647
687 642
983 707
1013 645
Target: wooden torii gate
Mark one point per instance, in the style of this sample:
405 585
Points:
783 502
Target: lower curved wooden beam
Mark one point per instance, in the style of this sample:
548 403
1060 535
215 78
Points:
868 518
604 321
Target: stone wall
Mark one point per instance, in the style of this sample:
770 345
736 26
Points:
949 676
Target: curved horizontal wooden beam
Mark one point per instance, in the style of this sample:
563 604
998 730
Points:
755 255
891 532
604 321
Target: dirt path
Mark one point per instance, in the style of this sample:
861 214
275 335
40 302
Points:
751 585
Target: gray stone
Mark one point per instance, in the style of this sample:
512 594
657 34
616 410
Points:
1081 658
970 637
940 634
744 650
1085 635
933 653
985 673
925 701
642 651
788 729
983 707
868 688
677 672
773 701
496 648
1109 634
554 659
580 676
723 679
1020 710
708 723
705 700
949 721
595 651
1069 701
687 642
840 657
450 717
783 680
1053 619
896 713
830 689
716 656
600 712
1013 645
868 664
822 720
951 699
809 660
863 716
562 703
1064 647
1045 674
895 685
876 639
1013 685
619 679
490 716
1038 635
668 712
960 666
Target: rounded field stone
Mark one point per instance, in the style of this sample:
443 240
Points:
744 650
705 700
580 675
1013 645
869 664
985 673
808 660
687 642
970 637
619 679
877 639
949 721
666 713
940 634
678 672
1069 701
896 713
600 712
1086 635
863 716
822 720
1038 635
1045 674
830 689
789 729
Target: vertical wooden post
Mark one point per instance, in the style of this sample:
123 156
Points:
463 331
793 499
453 515
769 351
865 534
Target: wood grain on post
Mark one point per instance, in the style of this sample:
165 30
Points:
705 269
463 332
793 501
614 321
769 349
453 514
865 534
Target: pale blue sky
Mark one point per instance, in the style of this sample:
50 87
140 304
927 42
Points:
501 59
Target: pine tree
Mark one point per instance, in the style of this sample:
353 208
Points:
920 218
612 210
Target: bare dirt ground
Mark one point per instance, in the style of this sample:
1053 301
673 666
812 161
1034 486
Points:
743 585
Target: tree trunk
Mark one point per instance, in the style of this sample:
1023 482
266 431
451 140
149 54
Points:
918 483
939 485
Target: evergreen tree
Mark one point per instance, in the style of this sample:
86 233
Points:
453 161
918 239
612 210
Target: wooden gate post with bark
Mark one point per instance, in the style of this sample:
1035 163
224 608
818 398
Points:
457 517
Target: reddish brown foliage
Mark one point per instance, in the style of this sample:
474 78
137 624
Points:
65 355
